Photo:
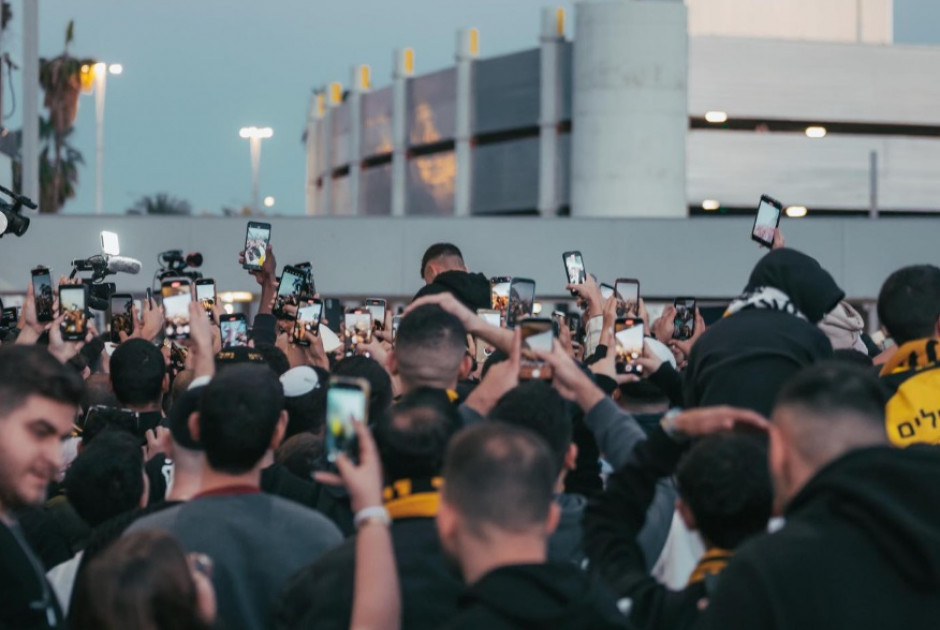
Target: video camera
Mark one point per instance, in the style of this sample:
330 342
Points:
12 220
101 266
174 265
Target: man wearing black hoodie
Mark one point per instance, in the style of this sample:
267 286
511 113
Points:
444 271
496 514
861 545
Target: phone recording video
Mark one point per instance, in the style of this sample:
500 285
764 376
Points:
492 318
358 325
43 294
234 329
257 238
499 294
629 334
205 293
72 304
766 221
376 306
607 291
308 320
627 291
521 301
289 289
177 294
347 402
309 287
537 334
684 321
122 316
574 266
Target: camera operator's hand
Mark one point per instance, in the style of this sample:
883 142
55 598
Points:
499 379
570 380
564 338
710 420
65 350
500 338
201 341
149 325
590 293
664 327
362 481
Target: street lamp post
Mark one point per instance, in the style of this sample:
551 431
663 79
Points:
255 135
101 81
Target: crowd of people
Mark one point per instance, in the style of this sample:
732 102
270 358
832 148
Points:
777 469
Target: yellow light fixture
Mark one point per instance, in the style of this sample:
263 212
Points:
229 297
408 61
711 204
474 41
560 21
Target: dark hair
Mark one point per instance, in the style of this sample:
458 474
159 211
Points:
299 454
430 345
380 384
436 251
909 303
537 406
98 392
643 392
106 479
307 413
142 580
851 355
725 481
499 475
106 419
274 357
413 436
238 414
836 387
137 372
31 371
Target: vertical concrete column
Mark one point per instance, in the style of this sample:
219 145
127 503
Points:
553 33
467 50
630 109
334 97
359 83
403 64
314 152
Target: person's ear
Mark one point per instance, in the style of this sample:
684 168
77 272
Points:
685 513
447 525
193 423
571 457
391 362
466 367
279 430
554 516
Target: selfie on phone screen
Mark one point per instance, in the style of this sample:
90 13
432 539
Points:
176 298
346 403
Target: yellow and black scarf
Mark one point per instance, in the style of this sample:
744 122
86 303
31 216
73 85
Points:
712 563
413 498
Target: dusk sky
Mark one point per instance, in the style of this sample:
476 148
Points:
195 71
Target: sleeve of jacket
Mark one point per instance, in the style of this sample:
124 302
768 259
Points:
740 602
264 329
669 380
612 524
616 432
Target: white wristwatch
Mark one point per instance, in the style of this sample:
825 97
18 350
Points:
668 423
375 513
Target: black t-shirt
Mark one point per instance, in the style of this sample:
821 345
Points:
27 602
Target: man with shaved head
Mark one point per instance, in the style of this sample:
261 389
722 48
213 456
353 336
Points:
430 349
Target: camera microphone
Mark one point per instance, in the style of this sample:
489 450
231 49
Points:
122 264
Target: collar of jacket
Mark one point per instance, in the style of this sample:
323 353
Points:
712 563
914 355
413 498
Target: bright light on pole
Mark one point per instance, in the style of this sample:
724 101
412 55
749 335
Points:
255 135
269 202
116 68
100 71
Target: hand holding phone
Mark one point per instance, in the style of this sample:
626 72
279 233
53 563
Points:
521 301
347 402
574 267
358 329
629 338
122 316
376 307
177 294
43 294
205 294
537 334
289 289
308 320
257 237
627 292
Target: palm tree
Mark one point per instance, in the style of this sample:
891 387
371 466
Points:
161 203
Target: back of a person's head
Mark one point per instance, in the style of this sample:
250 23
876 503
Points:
306 413
499 477
810 288
238 414
439 251
274 357
909 303
299 454
726 484
413 435
143 580
537 406
829 409
98 391
106 479
429 347
137 373
27 371
380 385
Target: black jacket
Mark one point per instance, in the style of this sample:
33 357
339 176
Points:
27 602
473 289
537 597
320 597
745 358
860 550
331 502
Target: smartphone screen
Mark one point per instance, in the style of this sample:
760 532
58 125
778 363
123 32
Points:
289 289
574 266
346 403
396 320
308 320
177 294
122 315
205 293
9 319
43 294
72 298
537 334
767 220
234 330
492 318
629 335
627 291
499 294
307 269
684 321
256 243
607 291
358 329
521 301
376 306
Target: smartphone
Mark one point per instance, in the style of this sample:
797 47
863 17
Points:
358 324
73 300
309 312
558 320
499 294
493 318
149 297
289 288
396 321
309 287
205 293
684 321
347 401
574 266
109 244
376 306
629 334
100 416
234 329
122 315
43 294
521 301
333 314
607 291
177 294
9 319
257 238
537 334
767 220
627 291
